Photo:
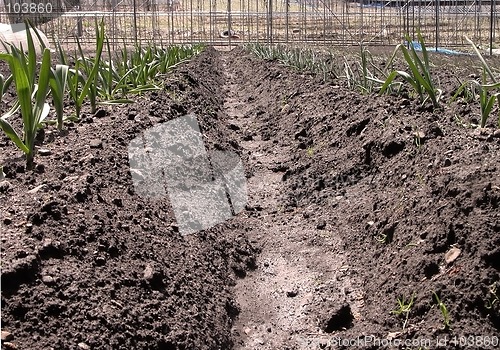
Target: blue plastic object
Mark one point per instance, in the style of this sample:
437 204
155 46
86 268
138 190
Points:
418 47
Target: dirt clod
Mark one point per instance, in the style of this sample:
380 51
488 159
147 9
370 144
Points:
6 336
452 255
95 143
44 152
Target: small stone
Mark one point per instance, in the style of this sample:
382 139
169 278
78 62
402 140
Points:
40 168
301 133
7 221
269 329
7 336
234 127
153 276
292 293
321 225
48 280
497 134
83 346
36 189
100 261
88 157
4 186
95 143
100 113
247 331
21 254
452 255
44 152
131 115
148 272
393 335
248 136
405 102
259 341
174 227
9 345
118 202
447 162
482 131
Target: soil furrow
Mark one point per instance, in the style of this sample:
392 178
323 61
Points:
275 299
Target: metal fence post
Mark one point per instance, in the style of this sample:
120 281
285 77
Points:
436 4
229 33
492 3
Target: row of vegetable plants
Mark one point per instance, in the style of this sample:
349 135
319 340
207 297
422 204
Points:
365 75
107 77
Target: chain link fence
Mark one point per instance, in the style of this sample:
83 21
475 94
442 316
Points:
444 23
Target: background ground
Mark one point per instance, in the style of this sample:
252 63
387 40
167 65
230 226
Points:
347 213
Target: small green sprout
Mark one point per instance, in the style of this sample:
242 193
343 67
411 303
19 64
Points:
404 308
493 299
444 311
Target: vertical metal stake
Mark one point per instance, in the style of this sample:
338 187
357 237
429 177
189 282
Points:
492 2
135 23
287 2
229 21
436 4
271 20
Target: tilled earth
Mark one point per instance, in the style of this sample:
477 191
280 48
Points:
354 201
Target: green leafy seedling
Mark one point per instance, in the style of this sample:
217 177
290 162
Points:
444 312
23 69
404 308
419 75
488 93
58 82
81 87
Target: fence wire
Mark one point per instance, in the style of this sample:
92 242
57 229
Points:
444 23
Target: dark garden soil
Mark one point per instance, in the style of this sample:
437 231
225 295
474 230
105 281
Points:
354 202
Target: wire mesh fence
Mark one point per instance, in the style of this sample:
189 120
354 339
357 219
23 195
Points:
320 22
